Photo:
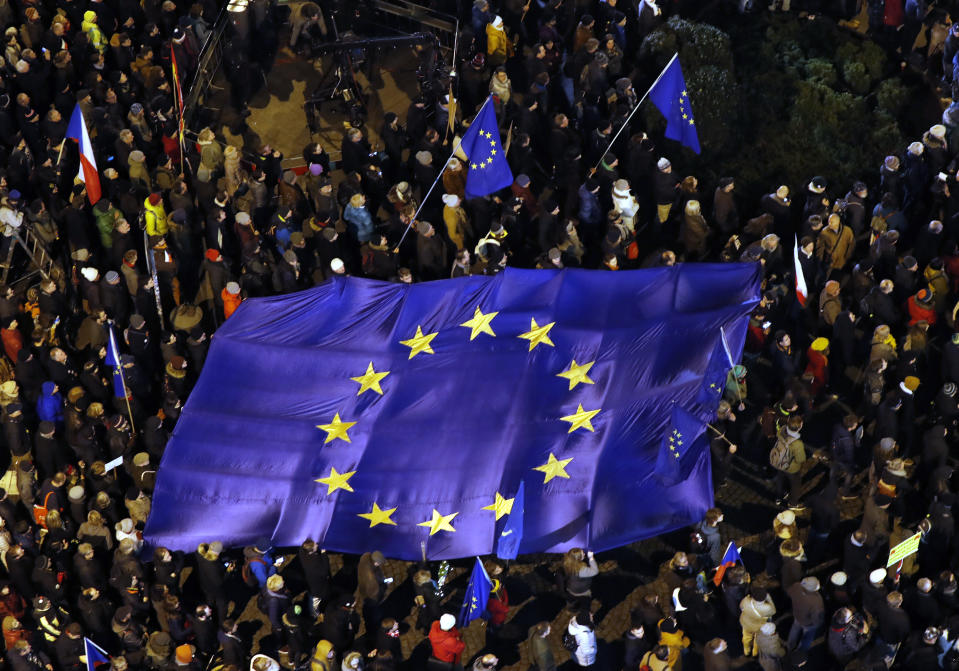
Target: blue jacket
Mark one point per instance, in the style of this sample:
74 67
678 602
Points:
360 222
590 213
50 404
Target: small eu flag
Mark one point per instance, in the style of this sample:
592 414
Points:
488 170
714 380
670 96
512 535
96 656
683 429
113 360
477 594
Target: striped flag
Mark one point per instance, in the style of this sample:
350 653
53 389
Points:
801 291
729 560
178 95
96 656
113 360
77 130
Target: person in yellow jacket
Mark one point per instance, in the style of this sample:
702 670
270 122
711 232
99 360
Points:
154 216
675 639
457 223
94 34
324 657
497 44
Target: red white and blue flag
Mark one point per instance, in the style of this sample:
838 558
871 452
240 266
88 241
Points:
96 656
730 558
801 291
77 130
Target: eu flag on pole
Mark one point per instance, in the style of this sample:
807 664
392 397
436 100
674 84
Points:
96 656
509 539
729 560
113 360
477 594
682 431
670 96
487 170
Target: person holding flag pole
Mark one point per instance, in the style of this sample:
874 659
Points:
119 383
669 94
487 170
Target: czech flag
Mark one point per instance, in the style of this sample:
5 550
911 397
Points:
77 130
729 559
96 656
800 279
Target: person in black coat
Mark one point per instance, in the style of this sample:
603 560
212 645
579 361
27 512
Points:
315 564
355 151
340 622
69 647
20 568
95 611
232 647
894 625
211 574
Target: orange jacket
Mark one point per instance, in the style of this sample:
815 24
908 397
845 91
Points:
230 303
919 312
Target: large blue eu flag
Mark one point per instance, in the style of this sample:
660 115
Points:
375 416
487 169
670 96
477 594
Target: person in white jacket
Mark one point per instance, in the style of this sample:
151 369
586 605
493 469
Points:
581 628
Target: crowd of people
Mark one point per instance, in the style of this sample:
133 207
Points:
846 399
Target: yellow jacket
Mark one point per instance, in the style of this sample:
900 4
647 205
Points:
496 45
154 216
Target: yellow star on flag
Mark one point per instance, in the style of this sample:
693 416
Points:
336 429
492 143
480 323
419 342
538 334
439 522
370 380
577 373
473 166
500 506
336 481
554 468
378 516
482 165
581 419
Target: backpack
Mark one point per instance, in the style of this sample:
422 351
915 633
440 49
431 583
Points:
767 423
249 578
780 457
569 642
40 512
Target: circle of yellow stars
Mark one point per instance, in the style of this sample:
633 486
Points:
492 152
684 108
421 343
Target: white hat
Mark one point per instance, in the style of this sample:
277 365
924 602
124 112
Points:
786 517
447 621
915 148
663 163
232 288
451 199
497 21
838 578
938 131
877 576
768 628
242 218
621 188
337 265
89 273
783 191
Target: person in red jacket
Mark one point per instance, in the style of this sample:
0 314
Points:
498 605
446 641
818 366
921 307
